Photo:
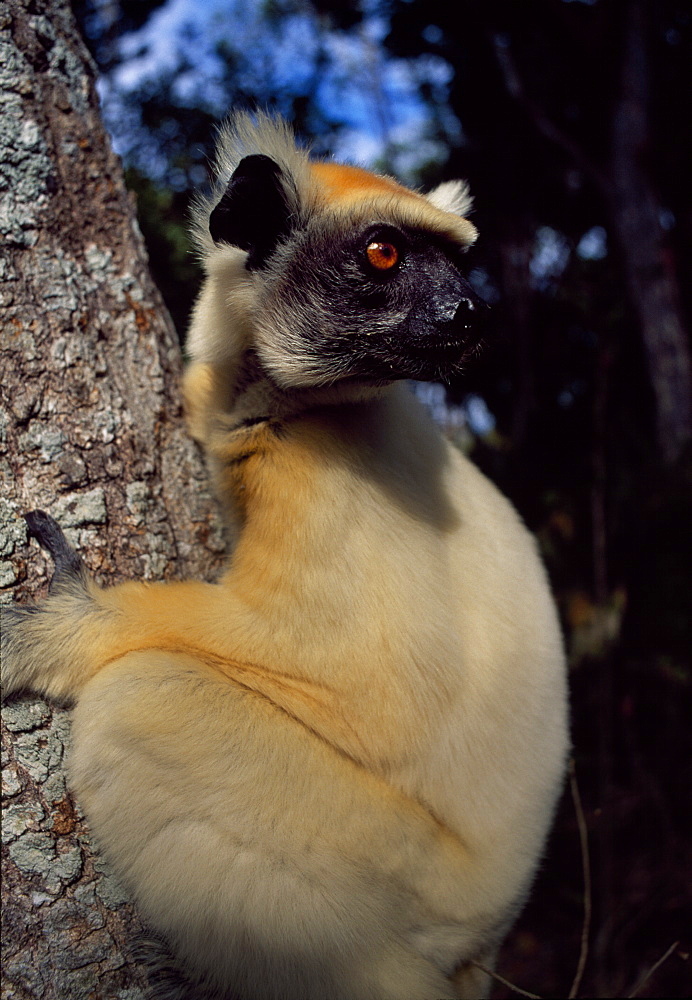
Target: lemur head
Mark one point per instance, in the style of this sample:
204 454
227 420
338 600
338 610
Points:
330 272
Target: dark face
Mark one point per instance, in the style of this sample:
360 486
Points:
378 301
381 302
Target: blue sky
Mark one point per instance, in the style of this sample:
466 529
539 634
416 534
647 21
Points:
375 99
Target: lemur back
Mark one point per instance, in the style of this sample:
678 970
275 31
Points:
332 773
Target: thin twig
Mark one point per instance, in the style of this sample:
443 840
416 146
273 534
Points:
505 982
586 868
644 980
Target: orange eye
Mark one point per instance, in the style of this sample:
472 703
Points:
382 256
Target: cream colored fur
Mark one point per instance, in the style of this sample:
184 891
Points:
332 774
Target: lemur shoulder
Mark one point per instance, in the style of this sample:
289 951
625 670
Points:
332 773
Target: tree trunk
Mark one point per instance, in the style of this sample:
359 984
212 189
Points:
92 432
630 199
636 212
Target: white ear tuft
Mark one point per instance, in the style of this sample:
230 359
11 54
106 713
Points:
451 196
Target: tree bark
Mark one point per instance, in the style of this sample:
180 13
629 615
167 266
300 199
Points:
91 430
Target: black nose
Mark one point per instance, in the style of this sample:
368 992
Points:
454 301
468 312
463 312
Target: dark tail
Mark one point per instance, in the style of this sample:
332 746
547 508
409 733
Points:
50 536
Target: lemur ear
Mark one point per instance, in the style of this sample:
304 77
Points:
452 196
253 213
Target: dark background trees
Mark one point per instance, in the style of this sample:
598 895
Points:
571 123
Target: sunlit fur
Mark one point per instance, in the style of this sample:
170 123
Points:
331 774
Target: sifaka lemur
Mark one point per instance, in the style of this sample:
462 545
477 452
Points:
332 773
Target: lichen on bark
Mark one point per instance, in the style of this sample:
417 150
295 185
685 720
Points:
91 430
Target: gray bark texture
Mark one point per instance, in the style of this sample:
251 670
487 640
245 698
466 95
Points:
91 430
